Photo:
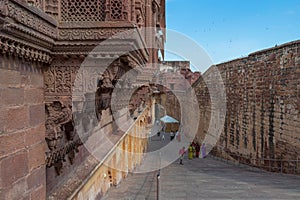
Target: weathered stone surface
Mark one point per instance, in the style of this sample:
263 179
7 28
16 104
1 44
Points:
2 121
35 157
34 135
36 81
18 191
34 96
37 178
13 168
39 193
37 115
10 77
16 118
11 143
12 96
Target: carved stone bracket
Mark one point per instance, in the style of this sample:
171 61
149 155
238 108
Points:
61 136
58 156
22 50
107 82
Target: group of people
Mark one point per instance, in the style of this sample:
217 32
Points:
193 151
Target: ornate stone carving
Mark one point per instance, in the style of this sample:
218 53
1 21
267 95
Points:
89 34
51 8
57 114
116 10
14 47
140 18
106 83
37 3
15 11
61 136
59 80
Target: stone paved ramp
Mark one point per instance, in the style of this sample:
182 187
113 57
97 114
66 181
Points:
208 178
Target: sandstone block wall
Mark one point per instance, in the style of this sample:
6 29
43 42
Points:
22 130
263 103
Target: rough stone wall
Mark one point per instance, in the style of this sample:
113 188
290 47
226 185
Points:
22 130
263 104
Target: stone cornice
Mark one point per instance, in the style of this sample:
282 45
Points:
26 31
16 47
29 16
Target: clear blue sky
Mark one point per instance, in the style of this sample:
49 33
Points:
229 29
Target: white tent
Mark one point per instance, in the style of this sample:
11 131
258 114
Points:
171 124
168 119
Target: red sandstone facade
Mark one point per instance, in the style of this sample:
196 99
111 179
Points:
43 44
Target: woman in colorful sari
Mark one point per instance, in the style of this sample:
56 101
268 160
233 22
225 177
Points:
203 150
191 153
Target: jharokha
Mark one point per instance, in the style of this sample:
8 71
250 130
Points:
53 95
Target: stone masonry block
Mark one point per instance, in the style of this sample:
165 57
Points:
13 168
16 118
17 191
35 135
39 193
36 156
10 143
2 121
10 78
37 114
37 80
12 96
34 96
36 178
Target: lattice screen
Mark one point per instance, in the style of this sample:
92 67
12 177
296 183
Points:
82 10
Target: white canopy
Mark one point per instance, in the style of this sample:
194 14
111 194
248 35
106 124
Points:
168 119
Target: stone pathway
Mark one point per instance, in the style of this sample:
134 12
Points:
207 178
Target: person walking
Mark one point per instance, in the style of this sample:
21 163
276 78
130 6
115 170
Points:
181 153
178 137
172 134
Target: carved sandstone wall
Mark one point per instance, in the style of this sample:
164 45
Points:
54 36
263 106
